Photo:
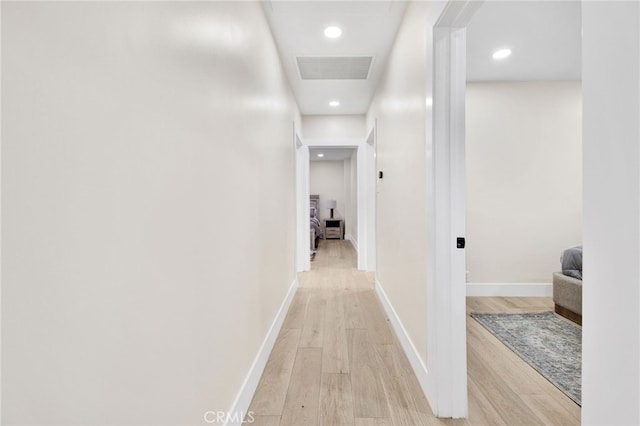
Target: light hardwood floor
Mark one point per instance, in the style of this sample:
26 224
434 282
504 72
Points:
503 389
338 362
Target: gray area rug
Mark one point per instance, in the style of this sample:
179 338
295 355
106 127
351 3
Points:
549 344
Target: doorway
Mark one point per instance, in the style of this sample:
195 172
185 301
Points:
449 225
447 345
360 230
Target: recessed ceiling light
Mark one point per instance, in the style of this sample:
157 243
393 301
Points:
501 54
334 103
320 155
332 32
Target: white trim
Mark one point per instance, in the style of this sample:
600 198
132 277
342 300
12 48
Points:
446 287
248 388
371 190
510 289
303 262
354 243
362 212
409 348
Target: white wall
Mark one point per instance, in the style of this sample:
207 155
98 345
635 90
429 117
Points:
611 297
327 179
524 179
399 105
146 157
333 126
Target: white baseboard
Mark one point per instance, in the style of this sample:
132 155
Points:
248 389
416 362
354 243
510 289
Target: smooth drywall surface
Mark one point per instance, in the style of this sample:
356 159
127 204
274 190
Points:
327 179
400 108
611 295
524 179
333 126
148 208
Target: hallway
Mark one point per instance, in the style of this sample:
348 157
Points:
150 233
337 360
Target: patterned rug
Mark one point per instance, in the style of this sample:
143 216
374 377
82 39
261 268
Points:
551 345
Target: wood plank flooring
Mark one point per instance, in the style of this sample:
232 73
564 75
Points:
338 362
503 389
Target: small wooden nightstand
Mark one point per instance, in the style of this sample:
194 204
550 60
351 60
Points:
334 228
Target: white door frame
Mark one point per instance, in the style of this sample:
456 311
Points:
303 261
366 240
447 351
370 180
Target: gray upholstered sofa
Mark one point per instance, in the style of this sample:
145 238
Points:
567 297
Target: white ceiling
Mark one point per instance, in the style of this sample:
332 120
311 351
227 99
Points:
330 154
545 37
369 28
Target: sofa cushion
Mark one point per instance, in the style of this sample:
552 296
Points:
567 292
